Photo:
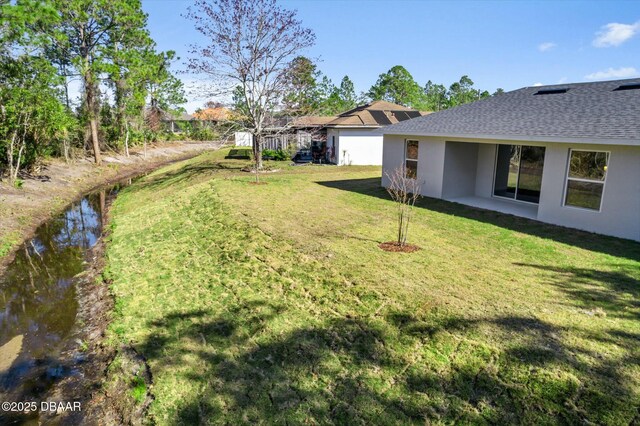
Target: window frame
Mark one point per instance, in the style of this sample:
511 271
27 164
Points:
404 163
495 168
567 178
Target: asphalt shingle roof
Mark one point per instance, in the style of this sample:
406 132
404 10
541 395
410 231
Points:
373 114
589 112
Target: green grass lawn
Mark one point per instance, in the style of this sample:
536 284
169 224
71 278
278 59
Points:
273 304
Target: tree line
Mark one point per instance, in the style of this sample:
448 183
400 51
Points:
252 53
126 83
398 85
308 91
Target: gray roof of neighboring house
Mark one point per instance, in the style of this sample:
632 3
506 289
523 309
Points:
586 112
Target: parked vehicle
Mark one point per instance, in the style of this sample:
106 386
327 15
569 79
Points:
303 156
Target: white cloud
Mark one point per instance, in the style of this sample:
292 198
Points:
563 80
537 84
614 34
622 72
543 47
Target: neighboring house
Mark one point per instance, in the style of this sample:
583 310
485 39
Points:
305 132
182 122
566 154
352 138
314 125
212 116
177 123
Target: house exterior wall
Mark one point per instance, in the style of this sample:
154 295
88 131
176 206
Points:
619 214
333 137
393 156
358 147
451 169
460 167
243 139
485 170
430 162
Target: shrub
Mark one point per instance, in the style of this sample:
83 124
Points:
275 154
198 133
268 154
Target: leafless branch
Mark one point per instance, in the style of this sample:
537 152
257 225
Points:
405 191
250 45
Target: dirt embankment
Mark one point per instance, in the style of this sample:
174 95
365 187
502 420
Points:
58 183
112 384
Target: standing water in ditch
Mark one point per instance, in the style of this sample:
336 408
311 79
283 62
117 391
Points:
38 300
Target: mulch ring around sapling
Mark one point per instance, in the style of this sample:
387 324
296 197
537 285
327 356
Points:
263 170
394 246
257 183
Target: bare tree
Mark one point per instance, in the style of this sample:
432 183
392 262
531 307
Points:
405 191
250 46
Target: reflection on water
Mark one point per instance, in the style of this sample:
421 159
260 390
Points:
38 296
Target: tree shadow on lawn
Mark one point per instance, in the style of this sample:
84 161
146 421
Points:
393 369
186 173
616 293
599 243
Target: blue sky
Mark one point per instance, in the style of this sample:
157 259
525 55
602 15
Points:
508 44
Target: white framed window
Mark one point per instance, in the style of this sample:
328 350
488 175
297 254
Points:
411 158
586 177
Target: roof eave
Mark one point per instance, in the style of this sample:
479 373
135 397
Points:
520 138
353 126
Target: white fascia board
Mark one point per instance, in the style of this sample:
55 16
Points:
339 126
519 138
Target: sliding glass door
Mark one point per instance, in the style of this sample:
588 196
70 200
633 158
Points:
507 166
518 172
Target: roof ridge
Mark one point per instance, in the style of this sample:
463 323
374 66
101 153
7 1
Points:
581 83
